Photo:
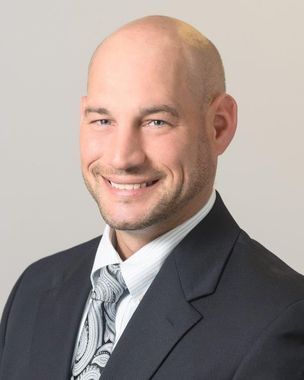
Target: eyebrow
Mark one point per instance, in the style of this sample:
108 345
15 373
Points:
158 109
100 110
143 111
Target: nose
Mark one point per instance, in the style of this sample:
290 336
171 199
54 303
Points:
126 151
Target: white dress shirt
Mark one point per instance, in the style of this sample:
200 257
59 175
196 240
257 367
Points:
140 269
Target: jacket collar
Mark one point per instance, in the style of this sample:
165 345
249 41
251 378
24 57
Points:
201 257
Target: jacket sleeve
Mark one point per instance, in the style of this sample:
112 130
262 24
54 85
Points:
5 316
278 353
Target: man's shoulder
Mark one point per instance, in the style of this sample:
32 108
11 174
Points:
264 271
65 260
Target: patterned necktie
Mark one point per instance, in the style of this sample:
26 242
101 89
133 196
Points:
98 334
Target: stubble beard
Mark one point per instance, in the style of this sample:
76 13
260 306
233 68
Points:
168 205
159 212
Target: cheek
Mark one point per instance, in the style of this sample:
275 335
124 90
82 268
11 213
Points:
165 153
198 157
173 155
90 148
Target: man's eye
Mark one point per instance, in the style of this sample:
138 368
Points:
157 123
102 122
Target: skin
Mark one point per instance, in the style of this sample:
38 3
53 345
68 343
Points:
156 112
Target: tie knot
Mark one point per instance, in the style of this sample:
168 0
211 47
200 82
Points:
110 284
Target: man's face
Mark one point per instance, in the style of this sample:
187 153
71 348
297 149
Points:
146 149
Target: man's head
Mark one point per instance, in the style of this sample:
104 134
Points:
155 119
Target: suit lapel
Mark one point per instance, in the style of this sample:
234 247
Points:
58 319
167 312
160 320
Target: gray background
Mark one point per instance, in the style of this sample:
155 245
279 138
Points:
45 48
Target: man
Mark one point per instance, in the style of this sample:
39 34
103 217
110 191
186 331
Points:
174 289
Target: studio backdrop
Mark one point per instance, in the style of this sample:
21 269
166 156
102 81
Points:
45 49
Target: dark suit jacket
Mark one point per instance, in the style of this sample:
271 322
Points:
222 307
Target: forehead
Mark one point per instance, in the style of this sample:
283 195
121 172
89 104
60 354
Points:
126 64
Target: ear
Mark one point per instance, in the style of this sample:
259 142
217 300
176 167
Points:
223 121
83 105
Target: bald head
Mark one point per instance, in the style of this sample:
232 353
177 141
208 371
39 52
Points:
174 42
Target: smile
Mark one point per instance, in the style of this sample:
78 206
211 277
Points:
131 186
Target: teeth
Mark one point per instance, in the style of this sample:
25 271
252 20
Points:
130 186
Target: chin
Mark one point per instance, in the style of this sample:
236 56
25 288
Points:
128 224
125 225
118 221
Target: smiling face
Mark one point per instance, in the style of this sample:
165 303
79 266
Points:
147 147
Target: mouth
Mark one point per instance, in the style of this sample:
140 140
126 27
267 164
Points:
131 186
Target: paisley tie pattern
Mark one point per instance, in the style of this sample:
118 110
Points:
98 334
